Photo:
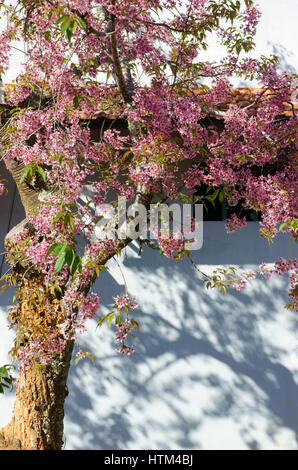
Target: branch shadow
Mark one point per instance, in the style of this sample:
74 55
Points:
210 371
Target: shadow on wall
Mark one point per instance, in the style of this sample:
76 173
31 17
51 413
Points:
210 371
284 56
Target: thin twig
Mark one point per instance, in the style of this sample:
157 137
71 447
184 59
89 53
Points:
123 277
196 267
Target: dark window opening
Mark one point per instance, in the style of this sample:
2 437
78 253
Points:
250 214
217 210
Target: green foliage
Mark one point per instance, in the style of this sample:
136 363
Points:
268 235
66 218
292 224
79 98
65 254
116 315
108 318
6 380
93 265
31 170
68 25
210 194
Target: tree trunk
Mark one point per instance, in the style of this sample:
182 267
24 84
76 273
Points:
38 415
37 422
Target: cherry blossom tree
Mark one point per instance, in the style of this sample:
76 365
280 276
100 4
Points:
139 63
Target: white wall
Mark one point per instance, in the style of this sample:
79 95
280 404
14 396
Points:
210 371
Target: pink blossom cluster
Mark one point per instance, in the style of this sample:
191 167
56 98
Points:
81 354
241 282
5 41
280 267
79 309
18 94
251 19
41 349
123 329
193 177
124 302
234 223
89 307
171 246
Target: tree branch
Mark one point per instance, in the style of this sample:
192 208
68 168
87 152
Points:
127 96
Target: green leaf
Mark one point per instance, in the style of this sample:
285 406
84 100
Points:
62 19
103 318
134 323
82 23
57 248
5 377
221 196
110 320
184 197
74 265
60 215
27 170
73 26
71 223
79 268
76 101
68 35
41 172
65 25
85 354
30 170
69 255
60 263
4 372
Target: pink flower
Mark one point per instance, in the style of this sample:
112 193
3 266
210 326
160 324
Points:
123 301
235 223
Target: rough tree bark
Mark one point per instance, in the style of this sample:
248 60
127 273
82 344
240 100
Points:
37 422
